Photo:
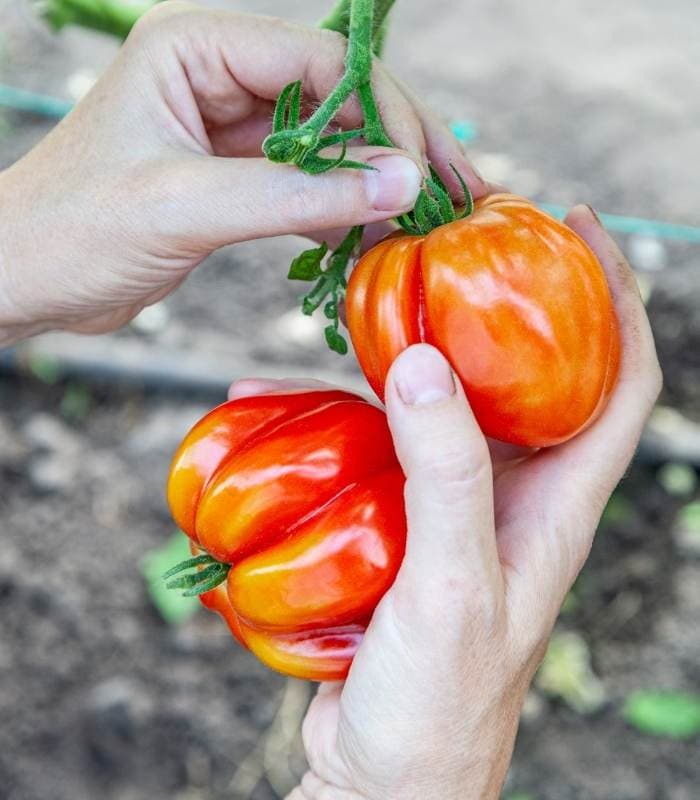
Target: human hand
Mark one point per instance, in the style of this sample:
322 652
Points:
431 704
155 168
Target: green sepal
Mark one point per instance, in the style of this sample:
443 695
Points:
330 310
294 112
341 136
200 580
287 108
190 563
443 200
468 199
307 265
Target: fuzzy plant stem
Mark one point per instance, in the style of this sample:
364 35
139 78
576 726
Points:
109 16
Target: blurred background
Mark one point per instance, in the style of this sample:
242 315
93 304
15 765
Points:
110 689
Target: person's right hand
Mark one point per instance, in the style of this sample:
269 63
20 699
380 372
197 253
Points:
160 165
430 708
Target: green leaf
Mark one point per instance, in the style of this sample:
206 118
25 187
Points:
689 516
307 265
172 607
76 401
46 368
618 510
335 340
566 673
673 715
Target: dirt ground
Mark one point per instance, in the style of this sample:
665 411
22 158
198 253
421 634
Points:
98 696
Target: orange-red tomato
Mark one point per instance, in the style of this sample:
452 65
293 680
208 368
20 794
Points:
514 299
302 494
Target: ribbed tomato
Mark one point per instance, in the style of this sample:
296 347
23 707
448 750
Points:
514 299
302 495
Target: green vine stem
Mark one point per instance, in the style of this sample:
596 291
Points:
300 143
109 16
339 20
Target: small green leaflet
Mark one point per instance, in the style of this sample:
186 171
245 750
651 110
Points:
335 340
673 715
172 606
307 265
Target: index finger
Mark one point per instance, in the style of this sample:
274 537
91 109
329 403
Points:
258 56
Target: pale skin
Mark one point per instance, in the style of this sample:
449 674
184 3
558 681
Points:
154 171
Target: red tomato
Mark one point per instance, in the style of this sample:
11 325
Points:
302 494
514 299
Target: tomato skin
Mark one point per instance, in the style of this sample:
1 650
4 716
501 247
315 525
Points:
514 299
302 494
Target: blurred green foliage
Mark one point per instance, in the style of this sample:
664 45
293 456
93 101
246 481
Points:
679 480
673 715
172 606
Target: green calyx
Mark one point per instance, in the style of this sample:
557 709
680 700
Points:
197 575
435 207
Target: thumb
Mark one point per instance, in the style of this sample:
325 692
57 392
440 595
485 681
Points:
449 486
232 200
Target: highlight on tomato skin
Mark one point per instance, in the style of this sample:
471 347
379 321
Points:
301 493
514 299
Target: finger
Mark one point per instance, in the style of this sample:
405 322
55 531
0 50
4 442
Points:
232 59
371 235
444 150
449 488
242 139
555 499
399 118
609 444
250 387
232 200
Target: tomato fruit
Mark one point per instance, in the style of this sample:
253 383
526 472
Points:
515 300
301 493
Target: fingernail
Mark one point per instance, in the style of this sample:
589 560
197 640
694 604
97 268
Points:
594 214
422 376
393 184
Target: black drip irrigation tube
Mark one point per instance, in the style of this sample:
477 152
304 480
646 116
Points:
113 361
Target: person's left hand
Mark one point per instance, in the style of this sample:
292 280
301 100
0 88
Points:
431 705
155 168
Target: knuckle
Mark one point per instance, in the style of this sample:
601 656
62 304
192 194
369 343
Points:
333 42
314 199
455 474
159 17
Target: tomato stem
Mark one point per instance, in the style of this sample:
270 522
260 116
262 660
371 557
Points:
363 22
339 20
300 144
109 16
